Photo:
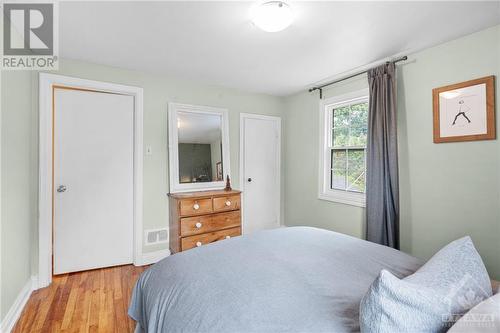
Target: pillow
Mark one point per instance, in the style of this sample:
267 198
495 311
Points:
453 281
483 318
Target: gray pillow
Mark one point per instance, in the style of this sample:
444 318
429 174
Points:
453 281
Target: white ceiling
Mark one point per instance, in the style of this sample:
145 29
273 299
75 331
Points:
215 43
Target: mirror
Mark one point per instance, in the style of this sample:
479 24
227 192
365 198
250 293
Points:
198 147
199 138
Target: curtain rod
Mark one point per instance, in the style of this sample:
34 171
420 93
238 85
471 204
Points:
320 88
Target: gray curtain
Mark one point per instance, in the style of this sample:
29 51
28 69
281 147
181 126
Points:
382 181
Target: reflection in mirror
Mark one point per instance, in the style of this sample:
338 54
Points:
200 147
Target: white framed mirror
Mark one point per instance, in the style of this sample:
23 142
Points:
198 147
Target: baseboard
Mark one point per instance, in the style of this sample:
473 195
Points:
16 309
149 258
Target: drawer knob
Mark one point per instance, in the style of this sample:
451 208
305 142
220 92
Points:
198 225
196 206
198 244
228 203
227 237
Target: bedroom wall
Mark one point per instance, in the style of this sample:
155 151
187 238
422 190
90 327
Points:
447 190
19 186
19 94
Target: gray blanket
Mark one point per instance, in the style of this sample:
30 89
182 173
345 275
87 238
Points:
296 279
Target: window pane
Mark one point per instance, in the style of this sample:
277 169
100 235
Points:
340 136
358 124
341 117
356 170
338 172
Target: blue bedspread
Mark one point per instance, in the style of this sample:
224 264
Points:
297 279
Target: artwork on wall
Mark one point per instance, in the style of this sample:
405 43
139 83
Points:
219 171
465 111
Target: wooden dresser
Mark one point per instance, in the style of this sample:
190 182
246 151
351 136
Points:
199 218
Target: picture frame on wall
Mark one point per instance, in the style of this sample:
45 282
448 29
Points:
219 174
465 111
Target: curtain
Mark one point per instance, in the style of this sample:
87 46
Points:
382 181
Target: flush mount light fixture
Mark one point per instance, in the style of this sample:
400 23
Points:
272 16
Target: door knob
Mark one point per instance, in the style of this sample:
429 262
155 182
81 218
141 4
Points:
61 188
249 180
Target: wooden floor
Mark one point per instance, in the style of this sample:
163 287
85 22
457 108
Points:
91 301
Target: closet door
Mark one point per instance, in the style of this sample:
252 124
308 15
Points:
260 151
93 180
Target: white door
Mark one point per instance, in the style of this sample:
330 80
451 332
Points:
93 180
260 151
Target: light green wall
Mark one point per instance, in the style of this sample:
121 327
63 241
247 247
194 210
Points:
447 190
19 186
20 148
302 206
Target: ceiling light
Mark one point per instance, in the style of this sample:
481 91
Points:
272 16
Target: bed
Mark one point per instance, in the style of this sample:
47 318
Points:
296 279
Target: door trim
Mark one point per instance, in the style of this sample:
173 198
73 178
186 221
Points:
47 83
277 120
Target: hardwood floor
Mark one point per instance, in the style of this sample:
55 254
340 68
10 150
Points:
90 301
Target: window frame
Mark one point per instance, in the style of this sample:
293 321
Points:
325 140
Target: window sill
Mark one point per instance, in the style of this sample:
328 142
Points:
353 199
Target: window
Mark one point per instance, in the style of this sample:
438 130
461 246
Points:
343 135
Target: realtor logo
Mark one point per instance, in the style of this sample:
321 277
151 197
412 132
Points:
35 25
29 36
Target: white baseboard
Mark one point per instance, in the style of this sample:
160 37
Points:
149 258
15 310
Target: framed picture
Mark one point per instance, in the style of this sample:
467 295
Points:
218 166
465 111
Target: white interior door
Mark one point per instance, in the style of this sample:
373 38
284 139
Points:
93 180
260 149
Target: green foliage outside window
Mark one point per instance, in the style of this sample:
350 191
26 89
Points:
350 126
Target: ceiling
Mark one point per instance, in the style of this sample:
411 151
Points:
215 42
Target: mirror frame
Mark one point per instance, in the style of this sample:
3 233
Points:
173 147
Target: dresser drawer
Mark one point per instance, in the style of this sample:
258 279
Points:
189 207
202 224
210 237
226 203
